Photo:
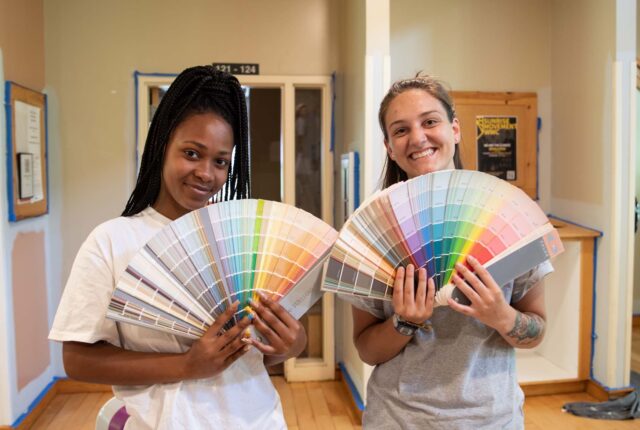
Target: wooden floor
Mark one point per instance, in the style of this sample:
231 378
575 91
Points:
327 405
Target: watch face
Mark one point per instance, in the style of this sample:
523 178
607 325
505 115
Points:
405 330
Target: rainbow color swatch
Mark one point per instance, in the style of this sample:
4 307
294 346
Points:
435 221
196 266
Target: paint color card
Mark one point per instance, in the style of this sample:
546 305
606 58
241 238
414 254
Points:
435 221
196 266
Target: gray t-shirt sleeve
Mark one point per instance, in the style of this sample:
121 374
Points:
522 284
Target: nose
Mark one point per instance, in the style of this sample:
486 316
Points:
417 136
204 171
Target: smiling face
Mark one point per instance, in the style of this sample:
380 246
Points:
421 139
196 164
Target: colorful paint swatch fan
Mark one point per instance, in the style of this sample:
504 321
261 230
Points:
196 266
435 221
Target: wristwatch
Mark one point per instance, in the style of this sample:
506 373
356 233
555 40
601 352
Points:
403 327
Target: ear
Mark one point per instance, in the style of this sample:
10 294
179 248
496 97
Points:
389 150
455 126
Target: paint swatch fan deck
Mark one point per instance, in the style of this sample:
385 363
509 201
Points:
435 221
196 266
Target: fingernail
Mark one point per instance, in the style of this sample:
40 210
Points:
245 340
458 266
254 304
472 259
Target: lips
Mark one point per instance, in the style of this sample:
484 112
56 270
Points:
200 189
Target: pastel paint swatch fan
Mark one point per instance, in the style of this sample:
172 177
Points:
196 266
435 221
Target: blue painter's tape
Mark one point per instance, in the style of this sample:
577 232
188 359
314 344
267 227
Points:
594 336
538 128
333 112
7 105
356 180
35 402
352 387
46 146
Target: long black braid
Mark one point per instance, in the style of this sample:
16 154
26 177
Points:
196 90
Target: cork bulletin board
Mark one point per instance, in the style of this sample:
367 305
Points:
499 135
27 174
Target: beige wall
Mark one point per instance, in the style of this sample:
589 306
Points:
22 42
636 266
350 109
636 275
498 45
584 36
485 46
93 48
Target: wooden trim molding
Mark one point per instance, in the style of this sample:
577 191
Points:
544 388
601 393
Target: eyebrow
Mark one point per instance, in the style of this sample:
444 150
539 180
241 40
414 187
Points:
421 115
202 146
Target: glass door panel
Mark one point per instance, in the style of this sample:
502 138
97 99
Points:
308 150
264 109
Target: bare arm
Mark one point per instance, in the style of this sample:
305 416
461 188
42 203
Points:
104 363
527 330
521 325
378 341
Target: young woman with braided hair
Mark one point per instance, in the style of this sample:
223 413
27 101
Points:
168 382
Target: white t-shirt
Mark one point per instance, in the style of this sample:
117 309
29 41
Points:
242 396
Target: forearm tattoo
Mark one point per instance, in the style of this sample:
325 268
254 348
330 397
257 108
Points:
527 328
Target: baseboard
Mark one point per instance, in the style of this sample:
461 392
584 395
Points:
60 386
602 393
545 388
69 386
